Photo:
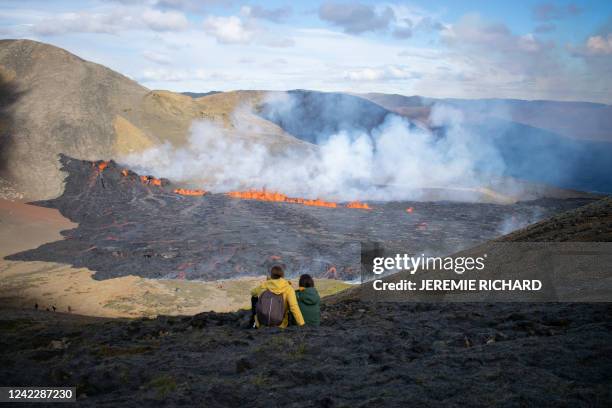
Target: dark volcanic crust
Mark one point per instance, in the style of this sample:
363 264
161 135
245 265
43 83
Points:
363 355
128 228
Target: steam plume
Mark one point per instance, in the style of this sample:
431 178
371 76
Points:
391 160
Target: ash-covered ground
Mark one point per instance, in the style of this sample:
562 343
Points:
127 227
363 355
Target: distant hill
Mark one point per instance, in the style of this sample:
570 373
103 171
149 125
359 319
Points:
55 102
565 144
312 116
200 94
577 120
52 102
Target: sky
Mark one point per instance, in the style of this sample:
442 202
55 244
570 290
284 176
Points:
461 49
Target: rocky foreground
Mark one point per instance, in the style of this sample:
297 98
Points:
365 354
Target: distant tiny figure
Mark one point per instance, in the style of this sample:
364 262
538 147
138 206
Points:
35 306
69 309
272 301
54 308
309 300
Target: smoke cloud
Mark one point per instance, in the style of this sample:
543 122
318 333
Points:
392 160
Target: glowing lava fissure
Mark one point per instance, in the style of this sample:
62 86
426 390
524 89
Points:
188 192
253 194
359 205
263 195
150 180
102 165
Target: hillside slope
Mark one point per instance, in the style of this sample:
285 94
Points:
55 102
588 223
579 120
364 354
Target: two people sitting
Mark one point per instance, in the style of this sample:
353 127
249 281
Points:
274 300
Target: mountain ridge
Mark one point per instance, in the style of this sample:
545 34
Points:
98 113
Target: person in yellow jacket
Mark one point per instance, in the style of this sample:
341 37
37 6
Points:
278 285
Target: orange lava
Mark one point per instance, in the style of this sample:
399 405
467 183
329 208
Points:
184 191
360 205
124 172
102 166
409 210
264 195
150 180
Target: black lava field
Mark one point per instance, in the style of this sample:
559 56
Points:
131 227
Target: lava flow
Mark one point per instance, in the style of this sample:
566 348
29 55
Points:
359 205
264 195
187 192
150 180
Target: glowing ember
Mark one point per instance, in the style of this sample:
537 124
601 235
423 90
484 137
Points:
124 172
184 191
102 166
150 180
357 204
409 210
264 195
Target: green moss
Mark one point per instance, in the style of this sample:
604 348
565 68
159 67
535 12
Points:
299 351
259 380
163 385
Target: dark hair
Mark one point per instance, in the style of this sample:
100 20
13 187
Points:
277 272
306 281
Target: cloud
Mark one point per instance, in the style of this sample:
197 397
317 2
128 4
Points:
356 18
157 57
402 32
599 45
83 22
277 15
112 21
471 33
229 30
550 11
429 24
278 42
596 55
187 5
387 73
174 75
165 20
243 30
490 56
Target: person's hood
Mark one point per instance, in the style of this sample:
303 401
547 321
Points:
309 296
277 286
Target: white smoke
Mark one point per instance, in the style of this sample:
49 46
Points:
394 161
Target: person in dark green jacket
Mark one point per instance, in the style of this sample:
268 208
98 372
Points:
309 301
